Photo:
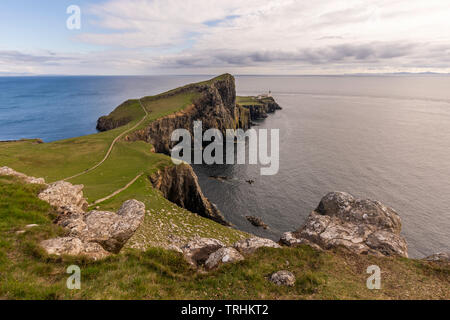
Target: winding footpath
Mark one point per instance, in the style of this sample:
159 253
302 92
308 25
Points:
111 146
107 156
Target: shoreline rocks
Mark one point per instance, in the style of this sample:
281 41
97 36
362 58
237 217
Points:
362 226
257 222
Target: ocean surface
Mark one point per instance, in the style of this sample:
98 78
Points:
385 138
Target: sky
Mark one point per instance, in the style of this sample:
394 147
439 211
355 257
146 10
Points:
145 37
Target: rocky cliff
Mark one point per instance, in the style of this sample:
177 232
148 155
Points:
179 184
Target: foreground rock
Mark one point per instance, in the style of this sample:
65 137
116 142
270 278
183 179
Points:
6 171
198 250
222 256
439 257
362 226
97 233
283 278
65 197
108 229
250 245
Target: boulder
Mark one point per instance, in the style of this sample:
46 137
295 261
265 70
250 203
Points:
250 245
6 171
283 278
257 222
65 197
198 250
362 226
439 257
221 256
73 247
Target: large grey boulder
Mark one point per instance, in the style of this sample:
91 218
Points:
198 250
250 245
362 226
439 257
222 256
65 197
110 230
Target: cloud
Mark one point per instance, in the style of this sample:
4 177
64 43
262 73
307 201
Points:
270 36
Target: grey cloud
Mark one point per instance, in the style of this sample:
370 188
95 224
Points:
20 57
349 53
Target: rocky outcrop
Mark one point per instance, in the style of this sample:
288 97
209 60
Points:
6 171
443 257
74 247
362 226
198 250
250 245
222 256
179 184
208 254
108 229
261 108
65 197
283 278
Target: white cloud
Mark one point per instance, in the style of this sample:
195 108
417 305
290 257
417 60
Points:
260 36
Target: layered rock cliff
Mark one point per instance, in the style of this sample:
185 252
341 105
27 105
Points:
179 184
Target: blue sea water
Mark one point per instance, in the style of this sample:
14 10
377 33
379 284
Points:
384 138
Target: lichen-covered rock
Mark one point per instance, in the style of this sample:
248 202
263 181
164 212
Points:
283 278
221 256
362 226
6 171
250 245
110 230
74 247
198 250
65 197
439 257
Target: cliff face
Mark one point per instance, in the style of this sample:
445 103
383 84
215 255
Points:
179 184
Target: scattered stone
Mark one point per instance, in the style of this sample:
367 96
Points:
362 226
6 171
250 245
283 278
29 226
221 256
198 250
439 257
257 222
65 197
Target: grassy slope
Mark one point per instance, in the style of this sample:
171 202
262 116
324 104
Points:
61 159
27 273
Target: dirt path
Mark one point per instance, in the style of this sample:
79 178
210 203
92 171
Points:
111 146
118 191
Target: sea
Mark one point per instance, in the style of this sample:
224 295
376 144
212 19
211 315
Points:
378 137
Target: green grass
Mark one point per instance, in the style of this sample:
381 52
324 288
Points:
26 272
